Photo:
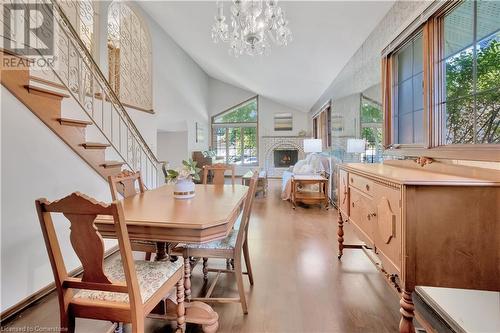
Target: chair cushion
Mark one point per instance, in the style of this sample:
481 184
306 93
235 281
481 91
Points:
151 275
227 243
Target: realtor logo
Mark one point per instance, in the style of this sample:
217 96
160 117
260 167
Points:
28 28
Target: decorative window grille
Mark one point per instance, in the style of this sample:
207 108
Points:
129 56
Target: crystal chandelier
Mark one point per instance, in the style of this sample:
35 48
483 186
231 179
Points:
252 26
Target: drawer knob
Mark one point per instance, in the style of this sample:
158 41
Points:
353 204
369 216
367 187
352 180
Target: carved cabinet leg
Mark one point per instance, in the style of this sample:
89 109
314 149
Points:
407 311
340 234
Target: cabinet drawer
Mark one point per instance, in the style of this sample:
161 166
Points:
363 184
387 226
343 189
360 206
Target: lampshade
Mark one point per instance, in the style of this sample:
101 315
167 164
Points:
356 145
313 146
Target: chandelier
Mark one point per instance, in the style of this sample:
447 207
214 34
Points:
252 26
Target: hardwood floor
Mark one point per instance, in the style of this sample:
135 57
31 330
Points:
300 285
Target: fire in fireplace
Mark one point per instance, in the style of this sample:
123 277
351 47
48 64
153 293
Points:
283 158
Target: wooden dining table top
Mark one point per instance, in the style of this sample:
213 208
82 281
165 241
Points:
156 215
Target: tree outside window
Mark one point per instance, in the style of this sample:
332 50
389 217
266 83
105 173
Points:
235 134
371 129
472 68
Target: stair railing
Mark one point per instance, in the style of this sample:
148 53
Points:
77 70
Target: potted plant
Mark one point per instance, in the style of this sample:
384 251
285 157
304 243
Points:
183 178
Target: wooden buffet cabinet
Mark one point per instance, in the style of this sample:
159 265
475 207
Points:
432 225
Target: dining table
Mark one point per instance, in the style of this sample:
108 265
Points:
156 215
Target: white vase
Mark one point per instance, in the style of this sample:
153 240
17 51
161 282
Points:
184 189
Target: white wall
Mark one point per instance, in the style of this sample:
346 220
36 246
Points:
173 147
180 87
223 96
34 163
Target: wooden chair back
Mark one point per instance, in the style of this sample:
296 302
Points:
87 242
124 183
247 208
218 171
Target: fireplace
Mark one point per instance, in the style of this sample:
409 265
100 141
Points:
283 158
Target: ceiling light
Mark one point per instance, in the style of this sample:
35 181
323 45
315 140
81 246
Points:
252 26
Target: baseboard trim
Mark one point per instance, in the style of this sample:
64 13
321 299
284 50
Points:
38 295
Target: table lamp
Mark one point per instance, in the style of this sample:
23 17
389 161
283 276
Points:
356 146
313 146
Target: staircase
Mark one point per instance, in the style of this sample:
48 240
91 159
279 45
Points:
79 106
46 105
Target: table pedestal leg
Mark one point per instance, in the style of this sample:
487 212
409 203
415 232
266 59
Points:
161 251
198 313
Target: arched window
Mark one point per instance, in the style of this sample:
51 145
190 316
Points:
129 57
234 134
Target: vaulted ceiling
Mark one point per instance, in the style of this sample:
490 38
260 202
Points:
326 34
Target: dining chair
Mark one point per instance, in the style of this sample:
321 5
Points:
218 171
230 248
124 183
118 290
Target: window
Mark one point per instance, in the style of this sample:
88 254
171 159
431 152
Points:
234 134
472 73
322 126
441 84
408 115
371 129
129 57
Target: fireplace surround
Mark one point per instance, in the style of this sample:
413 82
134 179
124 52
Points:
268 144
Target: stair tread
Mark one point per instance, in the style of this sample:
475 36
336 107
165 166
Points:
74 122
45 91
95 145
110 164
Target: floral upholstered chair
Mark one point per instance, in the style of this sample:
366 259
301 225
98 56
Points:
230 248
118 290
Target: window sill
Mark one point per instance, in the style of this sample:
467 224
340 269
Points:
460 152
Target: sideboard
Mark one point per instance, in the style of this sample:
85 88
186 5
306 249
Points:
428 223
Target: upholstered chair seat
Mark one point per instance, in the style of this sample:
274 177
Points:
151 275
227 243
